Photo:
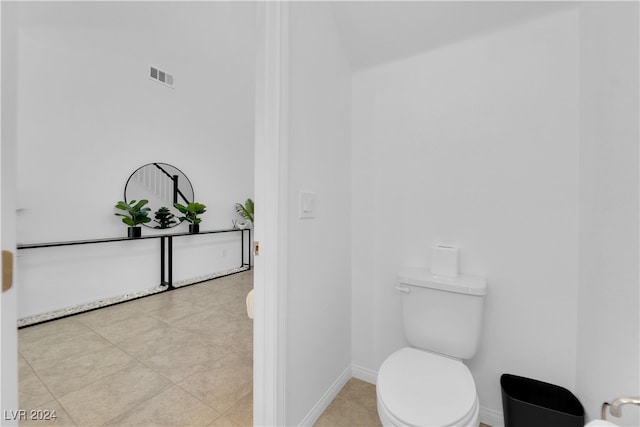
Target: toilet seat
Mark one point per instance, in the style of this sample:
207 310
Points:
417 388
471 420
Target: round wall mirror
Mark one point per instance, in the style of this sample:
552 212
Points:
163 185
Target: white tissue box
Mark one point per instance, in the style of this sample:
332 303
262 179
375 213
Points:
444 261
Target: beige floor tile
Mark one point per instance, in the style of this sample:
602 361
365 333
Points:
235 338
43 353
175 310
195 293
48 414
238 290
114 395
214 299
31 390
212 325
342 413
218 328
156 302
239 296
172 407
225 382
247 280
242 412
360 392
215 292
132 326
232 280
158 340
106 316
236 309
182 362
224 421
75 372
50 332
240 341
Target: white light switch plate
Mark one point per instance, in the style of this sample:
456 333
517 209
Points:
307 204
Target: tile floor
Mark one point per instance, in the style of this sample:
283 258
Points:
355 405
181 358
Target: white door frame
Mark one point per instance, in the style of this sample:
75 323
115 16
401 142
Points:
8 299
270 227
270 275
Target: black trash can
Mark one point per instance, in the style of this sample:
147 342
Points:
532 403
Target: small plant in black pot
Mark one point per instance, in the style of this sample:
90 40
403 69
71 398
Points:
136 214
191 212
165 218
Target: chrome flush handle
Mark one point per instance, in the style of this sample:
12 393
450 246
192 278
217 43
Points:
615 407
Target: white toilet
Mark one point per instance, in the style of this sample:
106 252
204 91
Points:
427 384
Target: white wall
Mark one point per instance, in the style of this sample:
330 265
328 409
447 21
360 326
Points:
608 358
88 116
318 282
475 145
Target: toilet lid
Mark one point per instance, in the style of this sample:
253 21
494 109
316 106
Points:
424 389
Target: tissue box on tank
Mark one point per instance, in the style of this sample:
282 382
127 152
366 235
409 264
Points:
444 261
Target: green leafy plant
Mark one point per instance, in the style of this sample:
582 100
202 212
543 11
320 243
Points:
191 212
165 218
137 213
246 210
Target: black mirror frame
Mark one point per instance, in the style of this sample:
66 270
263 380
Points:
176 193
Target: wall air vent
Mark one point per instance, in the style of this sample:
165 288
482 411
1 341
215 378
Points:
161 76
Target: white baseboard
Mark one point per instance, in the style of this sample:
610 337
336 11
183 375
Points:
326 398
491 417
364 374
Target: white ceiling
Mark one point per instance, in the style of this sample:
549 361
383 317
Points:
375 32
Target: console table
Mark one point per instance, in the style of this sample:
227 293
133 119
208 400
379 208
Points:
166 268
166 248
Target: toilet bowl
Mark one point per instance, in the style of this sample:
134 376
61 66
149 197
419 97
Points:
418 388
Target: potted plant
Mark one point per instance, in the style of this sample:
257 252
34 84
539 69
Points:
136 214
165 218
245 211
191 212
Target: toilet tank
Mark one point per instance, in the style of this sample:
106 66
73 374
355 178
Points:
442 314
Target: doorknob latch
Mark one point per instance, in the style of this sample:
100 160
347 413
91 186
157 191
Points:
7 270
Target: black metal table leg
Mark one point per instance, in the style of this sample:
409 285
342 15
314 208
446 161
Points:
170 270
162 277
248 249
